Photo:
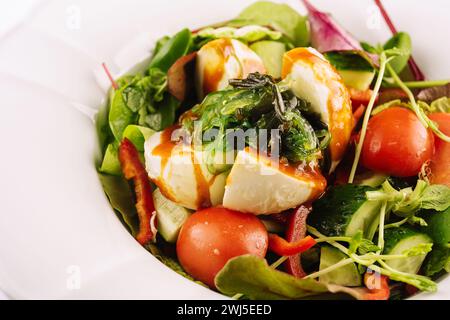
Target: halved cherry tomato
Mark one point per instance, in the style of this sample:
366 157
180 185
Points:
211 237
440 163
396 143
359 97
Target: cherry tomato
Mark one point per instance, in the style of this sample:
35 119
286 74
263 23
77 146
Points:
396 143
210 237
440 163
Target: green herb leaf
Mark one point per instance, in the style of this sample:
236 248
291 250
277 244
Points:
254 278
436 197
418 250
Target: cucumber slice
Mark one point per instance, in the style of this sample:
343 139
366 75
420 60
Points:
371 179
347 275
170 216
356 71
271 53
359 80
344 210
397 240
438 225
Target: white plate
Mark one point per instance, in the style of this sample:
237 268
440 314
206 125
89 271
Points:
59 237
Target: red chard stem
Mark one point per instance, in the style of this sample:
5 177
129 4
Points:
417 73
113 82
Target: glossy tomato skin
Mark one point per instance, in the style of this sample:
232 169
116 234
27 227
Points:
440 163
210 237
396 143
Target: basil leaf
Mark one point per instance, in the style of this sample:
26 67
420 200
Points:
172 49
280 17
254 278
401 41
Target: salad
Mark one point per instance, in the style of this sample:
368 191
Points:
275 156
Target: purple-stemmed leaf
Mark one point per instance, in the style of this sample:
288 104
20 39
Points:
327 35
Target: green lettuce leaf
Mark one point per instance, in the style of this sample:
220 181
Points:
120 196
246 34
254 278
280 17
110 163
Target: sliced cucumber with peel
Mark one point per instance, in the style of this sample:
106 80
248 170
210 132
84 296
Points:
271 53
170 216
347 275
355 69
344 210
397 241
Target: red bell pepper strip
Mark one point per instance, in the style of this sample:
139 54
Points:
132 168
296 230
282 247
378 289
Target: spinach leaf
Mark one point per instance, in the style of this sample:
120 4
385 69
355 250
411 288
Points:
164 116
280 17
120 196
400 41
254 278
120 115
171 50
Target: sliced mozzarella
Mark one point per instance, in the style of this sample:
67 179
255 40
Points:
180 173
259 185
312 78
221 60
